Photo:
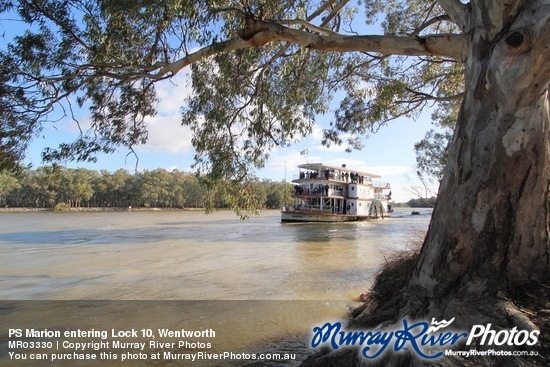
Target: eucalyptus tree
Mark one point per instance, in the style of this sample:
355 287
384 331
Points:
195 194
153 187
176 189
431 156
119 187
8 184
432 151
262 70
77 186
48 185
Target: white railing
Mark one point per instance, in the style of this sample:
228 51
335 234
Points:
308 208
380 184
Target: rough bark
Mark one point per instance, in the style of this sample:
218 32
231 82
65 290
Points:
486 257
490 228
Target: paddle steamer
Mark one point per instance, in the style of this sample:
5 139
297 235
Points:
327 193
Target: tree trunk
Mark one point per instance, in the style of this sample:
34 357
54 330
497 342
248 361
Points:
490 229
486 257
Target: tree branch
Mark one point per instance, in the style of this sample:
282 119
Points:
321 9
421 96
447 45
428 23
334 12
306 24
458 12
261 33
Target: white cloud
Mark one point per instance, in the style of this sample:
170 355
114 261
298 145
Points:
317 133
278 163
172 93
317 137
401 193
166 134
71 126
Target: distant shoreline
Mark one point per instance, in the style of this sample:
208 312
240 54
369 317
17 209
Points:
97 209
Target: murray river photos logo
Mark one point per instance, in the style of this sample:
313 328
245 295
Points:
428 341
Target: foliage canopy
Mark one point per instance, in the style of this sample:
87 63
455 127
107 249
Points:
261 72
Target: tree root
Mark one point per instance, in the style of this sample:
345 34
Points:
392 299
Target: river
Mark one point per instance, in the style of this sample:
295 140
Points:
278 279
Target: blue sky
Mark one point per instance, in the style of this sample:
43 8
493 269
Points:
389 152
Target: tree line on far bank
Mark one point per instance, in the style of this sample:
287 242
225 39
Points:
422 202
57 186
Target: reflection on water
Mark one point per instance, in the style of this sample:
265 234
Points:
187 255
190 256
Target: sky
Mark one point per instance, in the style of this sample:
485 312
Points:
388 153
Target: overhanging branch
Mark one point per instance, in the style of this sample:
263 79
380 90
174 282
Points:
260 33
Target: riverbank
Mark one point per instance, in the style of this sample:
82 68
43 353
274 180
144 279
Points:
383 304
97 209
